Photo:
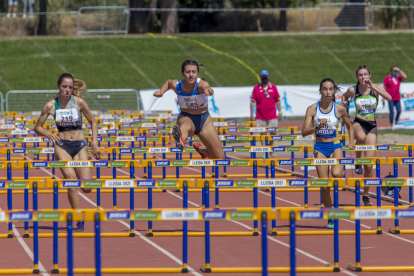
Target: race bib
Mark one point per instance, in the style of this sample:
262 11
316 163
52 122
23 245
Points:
366 106
66 115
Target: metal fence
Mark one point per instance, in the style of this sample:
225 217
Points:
2 101
103 20
97 99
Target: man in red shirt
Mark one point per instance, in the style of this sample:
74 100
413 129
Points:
266 97
392 86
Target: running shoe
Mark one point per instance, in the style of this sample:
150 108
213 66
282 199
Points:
176 133
358 169
196 145
331 224
80 226
366 201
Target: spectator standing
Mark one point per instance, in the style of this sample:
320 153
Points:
27 4
12 6
266 97
392 86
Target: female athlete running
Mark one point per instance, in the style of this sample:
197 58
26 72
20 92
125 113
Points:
324 116
70 143
194 119
365 95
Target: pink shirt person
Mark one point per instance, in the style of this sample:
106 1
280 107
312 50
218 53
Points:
392 86
265 107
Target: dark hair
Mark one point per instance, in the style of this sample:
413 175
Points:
79 86
336 87
362 67
190 62
393 67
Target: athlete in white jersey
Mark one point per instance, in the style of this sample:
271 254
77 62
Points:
194 119
322 119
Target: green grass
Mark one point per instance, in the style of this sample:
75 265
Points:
397 131
35 63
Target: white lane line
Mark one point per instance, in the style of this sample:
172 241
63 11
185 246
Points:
27 249
403 52
334 56
130 62
6 83
171 256
137 233
47 54
266 60
176 41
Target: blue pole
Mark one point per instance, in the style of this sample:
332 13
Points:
292 153
98 267
9 199
164 169
396 192
207 226
55 229
35 230
70 244
336 228
357 227
264 244
132 198
378 174
273 195
149 197
98 190
410 173
114 176
255 199
185 227
292 243
306 195
217 189
26 200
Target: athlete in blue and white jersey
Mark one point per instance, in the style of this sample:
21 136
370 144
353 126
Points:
194 119
322 119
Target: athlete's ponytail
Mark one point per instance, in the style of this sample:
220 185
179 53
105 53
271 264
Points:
79 87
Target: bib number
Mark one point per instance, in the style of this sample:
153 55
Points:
66 115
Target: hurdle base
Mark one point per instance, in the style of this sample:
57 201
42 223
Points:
379 232
336 269
265 189
132 234
394 231
149 234
272 233
10 236
55 271
355 268
36 271
26 235
205 269
223 175
184 270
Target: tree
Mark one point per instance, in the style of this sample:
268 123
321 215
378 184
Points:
282 18
169 19
138 18
42 18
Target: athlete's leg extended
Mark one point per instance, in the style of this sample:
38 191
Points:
323 172
360 136
185 128
371 140
212 145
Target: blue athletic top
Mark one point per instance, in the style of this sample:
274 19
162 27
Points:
192 101
331 127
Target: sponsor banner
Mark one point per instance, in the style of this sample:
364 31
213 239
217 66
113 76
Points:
145 215
100 163
404 213
167 183
180 215
223 162
223 183
93 183
373 182
239 215
407 160
214 214
116 215
372 214
325 161
410 181
119 164
339 214
48 150
311 214
86 164
394 182
260 149
245 183
32 139
158 150
271 182
145 183
119 183
201 162
71 184
48 216
20 216
319 182
298 182
125 138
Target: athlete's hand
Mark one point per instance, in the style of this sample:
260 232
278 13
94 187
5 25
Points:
252 118
344 103
367 82
208 91
351 146
158 94
322 123
96 152
53 137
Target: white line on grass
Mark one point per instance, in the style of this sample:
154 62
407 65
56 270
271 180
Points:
6 83
194 58
403 52
47 54
334 56
266 60
130 62
27 249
